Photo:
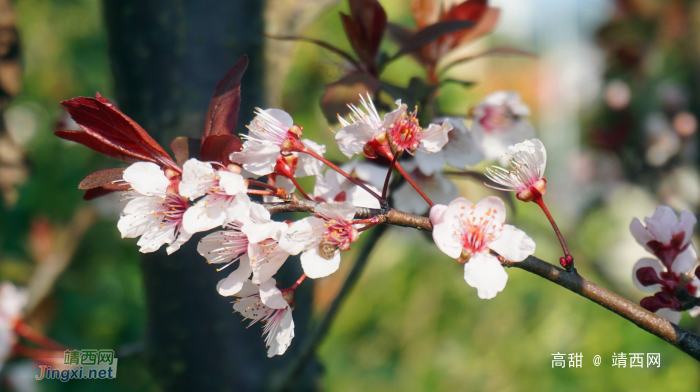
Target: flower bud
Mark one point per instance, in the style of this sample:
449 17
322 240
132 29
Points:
647 276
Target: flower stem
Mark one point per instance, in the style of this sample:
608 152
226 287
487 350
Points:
388 175
262 184
344 174
261 192
300 189
37 337
413 184
298 282
540 202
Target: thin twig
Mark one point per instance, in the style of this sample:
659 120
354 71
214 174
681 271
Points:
311 343
684 340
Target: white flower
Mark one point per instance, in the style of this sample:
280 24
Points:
668 238
154 212
252 241
321 238
225 198
527 161
333 187
499 121
402 127
12 303
267 133
370 173
468 233
462 149
272 307
438 188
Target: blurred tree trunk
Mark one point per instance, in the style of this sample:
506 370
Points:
167 56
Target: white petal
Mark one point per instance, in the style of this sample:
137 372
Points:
670 315
204 216
233 284
369 172
301 234
271 295
647 262
436 136
308 165
257 158
182 237
430 163
249 288
344 211
352 138
662 223
283 337
265 262
493 206
685 262
195 177
486 274
448 239
238 207
438 188
146 178
437 213
315 266
686 225
257 232
138 217
463 146
232 183
640 233
513 244
361 198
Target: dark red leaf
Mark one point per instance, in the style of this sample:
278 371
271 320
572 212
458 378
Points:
103 121
471 10
102 178
431 33
365 30
103 190
347 90
219 147
399 33
322 44
222 114
185 148
94 143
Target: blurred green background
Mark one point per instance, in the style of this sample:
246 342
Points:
411 324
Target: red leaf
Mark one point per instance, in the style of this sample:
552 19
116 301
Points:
347 90
471 10
103 121
432 33
101 178
94 193
365 30
219 147
185 148
222 114
94 143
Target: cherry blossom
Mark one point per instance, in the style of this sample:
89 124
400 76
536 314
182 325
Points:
526 177
271 306
12 302
224 192
462 149
468 233
321 238
265 141
499 120
155 212
252 241
367 133
668 238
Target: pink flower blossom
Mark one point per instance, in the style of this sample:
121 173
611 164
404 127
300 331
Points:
468 232
526 177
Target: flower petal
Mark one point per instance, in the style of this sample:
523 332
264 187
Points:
670 315
283 336
257 158
271 295
308 165
232 183
486 274
353 137
685 262
233 284
513 244
146 178
315 266
196 177
447 239
647 262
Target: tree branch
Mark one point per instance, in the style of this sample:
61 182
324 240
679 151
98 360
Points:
681 338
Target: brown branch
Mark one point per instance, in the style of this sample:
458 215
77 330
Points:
681 338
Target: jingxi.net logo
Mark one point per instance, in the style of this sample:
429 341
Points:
79 364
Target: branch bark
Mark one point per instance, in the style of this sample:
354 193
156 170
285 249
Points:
681 338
